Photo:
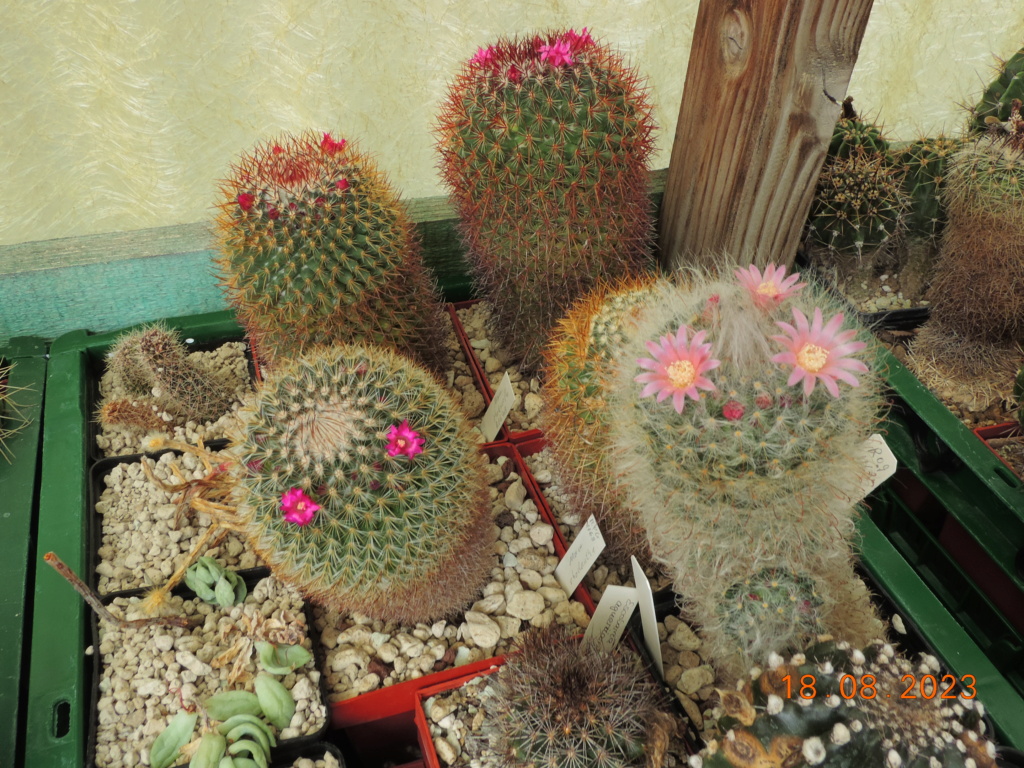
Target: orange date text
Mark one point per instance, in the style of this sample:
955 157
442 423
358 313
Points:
866 687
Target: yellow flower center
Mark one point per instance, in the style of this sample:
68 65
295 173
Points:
681 374
768 289
812 358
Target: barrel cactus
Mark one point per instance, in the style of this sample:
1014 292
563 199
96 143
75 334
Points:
316 248
544 143
838 707
563 705
996 102
360 483
853 133
738 445
924 164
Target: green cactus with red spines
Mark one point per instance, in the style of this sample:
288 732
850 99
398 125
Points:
996 102
361 484
316 249
544 143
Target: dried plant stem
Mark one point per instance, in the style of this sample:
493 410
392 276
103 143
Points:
93 600
157 596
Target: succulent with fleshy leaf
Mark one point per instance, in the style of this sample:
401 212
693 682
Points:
996 102
316 249
838 707
360 483
544 144
738 444
559 704
215 584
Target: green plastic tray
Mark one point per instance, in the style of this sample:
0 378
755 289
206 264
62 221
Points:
17 527
58 691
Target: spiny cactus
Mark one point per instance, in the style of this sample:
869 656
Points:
560 705
1018 395
838 707
544 143
735 442
577 364
137 413
11 419
996 102
152 366
362 485
851 134
316 249
924 165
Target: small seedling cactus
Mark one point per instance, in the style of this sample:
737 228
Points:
360 483
544 143
316 249
838 707
559 704
996 102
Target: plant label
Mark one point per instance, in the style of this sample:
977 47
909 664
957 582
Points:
877 464
494 417
610 618
580 556
650 623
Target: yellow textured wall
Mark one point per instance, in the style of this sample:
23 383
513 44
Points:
121 114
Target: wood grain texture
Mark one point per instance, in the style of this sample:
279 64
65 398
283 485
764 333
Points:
762 95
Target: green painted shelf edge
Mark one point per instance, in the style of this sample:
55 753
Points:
58 691
17 520
951 642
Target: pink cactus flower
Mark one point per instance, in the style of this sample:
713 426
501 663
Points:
557 54
484 56
245 201
819 353
578 40
733 411
677 368
341 185
513 74
330 146
402 439
772 288
298 507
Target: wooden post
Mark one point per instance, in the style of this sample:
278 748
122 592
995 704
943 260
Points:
763 91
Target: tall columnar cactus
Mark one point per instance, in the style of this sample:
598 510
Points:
996 102
362 485
316 249
577 363
152 366
838 707
977 293
737 412
544 143
560 705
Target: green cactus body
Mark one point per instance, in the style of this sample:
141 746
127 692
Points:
851 134
737 460
997 100
316 249
544 143
859 203
577 363
924 166
840 708
562 705
363 486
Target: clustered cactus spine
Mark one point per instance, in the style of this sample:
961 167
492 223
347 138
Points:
851 715
996 102
924 165
577 364
315 247
361 485
558 704
544 143
11 419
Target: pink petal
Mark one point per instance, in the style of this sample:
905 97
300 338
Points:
650 389
648 363
830 385
797 374
679 400
809 380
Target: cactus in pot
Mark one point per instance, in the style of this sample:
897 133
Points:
360 483
738 446
544 143
316 249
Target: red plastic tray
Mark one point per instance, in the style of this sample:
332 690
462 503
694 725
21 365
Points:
422 729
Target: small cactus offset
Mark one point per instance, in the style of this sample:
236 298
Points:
738 444
996 103
838 707
560 705
577 364
360 484
544 144
316 249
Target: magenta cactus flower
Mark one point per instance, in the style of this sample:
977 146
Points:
557 54
677 368
772 288
578 40
819 353
403 440
484 56
298 507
